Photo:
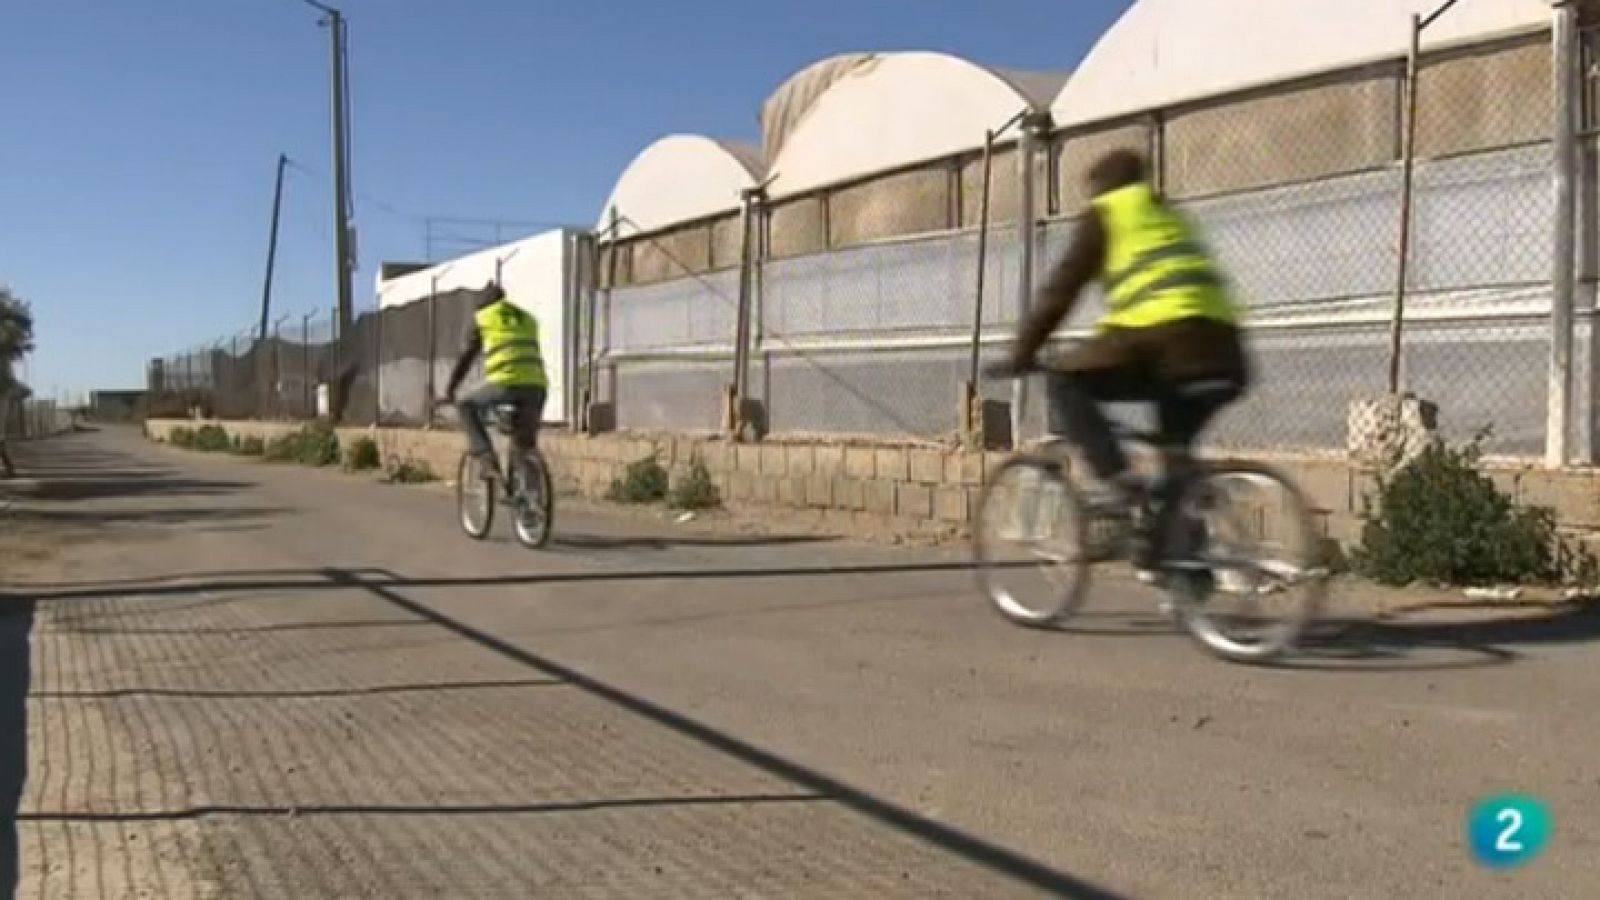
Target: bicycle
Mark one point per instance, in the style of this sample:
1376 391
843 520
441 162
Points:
1033 519
522 483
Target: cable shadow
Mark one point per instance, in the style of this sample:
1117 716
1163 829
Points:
488 581
945 837
166 579
127 693
156 516
489 809
100 631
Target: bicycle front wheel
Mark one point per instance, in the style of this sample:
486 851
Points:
1030 541
1254 579
535 498
474 497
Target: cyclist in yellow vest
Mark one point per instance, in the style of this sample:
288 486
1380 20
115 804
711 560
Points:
507 337
1170 335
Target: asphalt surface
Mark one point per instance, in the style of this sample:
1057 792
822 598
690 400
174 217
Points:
241 680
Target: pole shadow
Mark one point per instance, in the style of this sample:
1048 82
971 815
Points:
16 624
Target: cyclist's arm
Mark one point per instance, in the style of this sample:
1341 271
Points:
469 355
1079 266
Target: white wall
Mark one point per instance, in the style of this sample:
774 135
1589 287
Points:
535 274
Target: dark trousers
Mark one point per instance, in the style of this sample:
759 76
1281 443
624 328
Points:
1189 369
1182 412
529 402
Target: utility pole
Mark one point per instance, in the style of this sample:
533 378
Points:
272 247
334 20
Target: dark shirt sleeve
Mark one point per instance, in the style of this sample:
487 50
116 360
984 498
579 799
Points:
473 345
1081 264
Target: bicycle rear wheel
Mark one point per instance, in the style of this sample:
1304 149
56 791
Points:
1030 542
1257 580
474 497
535 500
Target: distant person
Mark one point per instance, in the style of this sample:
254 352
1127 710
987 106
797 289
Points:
1170 334
507 337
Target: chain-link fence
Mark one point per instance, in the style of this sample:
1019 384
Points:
389 368
1391 228
24 419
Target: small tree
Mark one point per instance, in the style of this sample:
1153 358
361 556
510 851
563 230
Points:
16 327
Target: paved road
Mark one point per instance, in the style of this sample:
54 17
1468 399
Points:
243 680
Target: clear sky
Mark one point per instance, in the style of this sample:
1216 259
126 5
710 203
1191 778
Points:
140 136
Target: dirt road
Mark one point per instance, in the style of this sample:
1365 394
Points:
240 680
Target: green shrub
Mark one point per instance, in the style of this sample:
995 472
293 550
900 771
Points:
1438 519
212 439
695 490
319 445
313 445
250 446
362 456
644 481
283 448
182 437
408 471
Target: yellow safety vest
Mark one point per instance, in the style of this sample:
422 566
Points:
510 345
1156 269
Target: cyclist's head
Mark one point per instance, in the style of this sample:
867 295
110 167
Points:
493 292
1116 169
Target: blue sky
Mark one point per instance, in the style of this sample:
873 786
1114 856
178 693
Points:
141 135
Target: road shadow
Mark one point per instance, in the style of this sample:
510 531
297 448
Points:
581 541
101 484
1426 637
156 516
64 479
295 580
814 783
392 590
16 664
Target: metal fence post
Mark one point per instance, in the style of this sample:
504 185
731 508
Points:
306 398
1408 153
377 367
741 328
429 385
1564 68
969 418
275 403
591 378
1033 125
338 396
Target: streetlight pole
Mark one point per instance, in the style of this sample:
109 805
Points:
1408 157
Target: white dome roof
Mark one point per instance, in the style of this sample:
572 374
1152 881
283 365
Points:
1163 52
893 110
679 179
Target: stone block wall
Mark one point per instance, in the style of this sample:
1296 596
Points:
911 489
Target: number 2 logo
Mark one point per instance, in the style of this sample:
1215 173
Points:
1508 831
1512 820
